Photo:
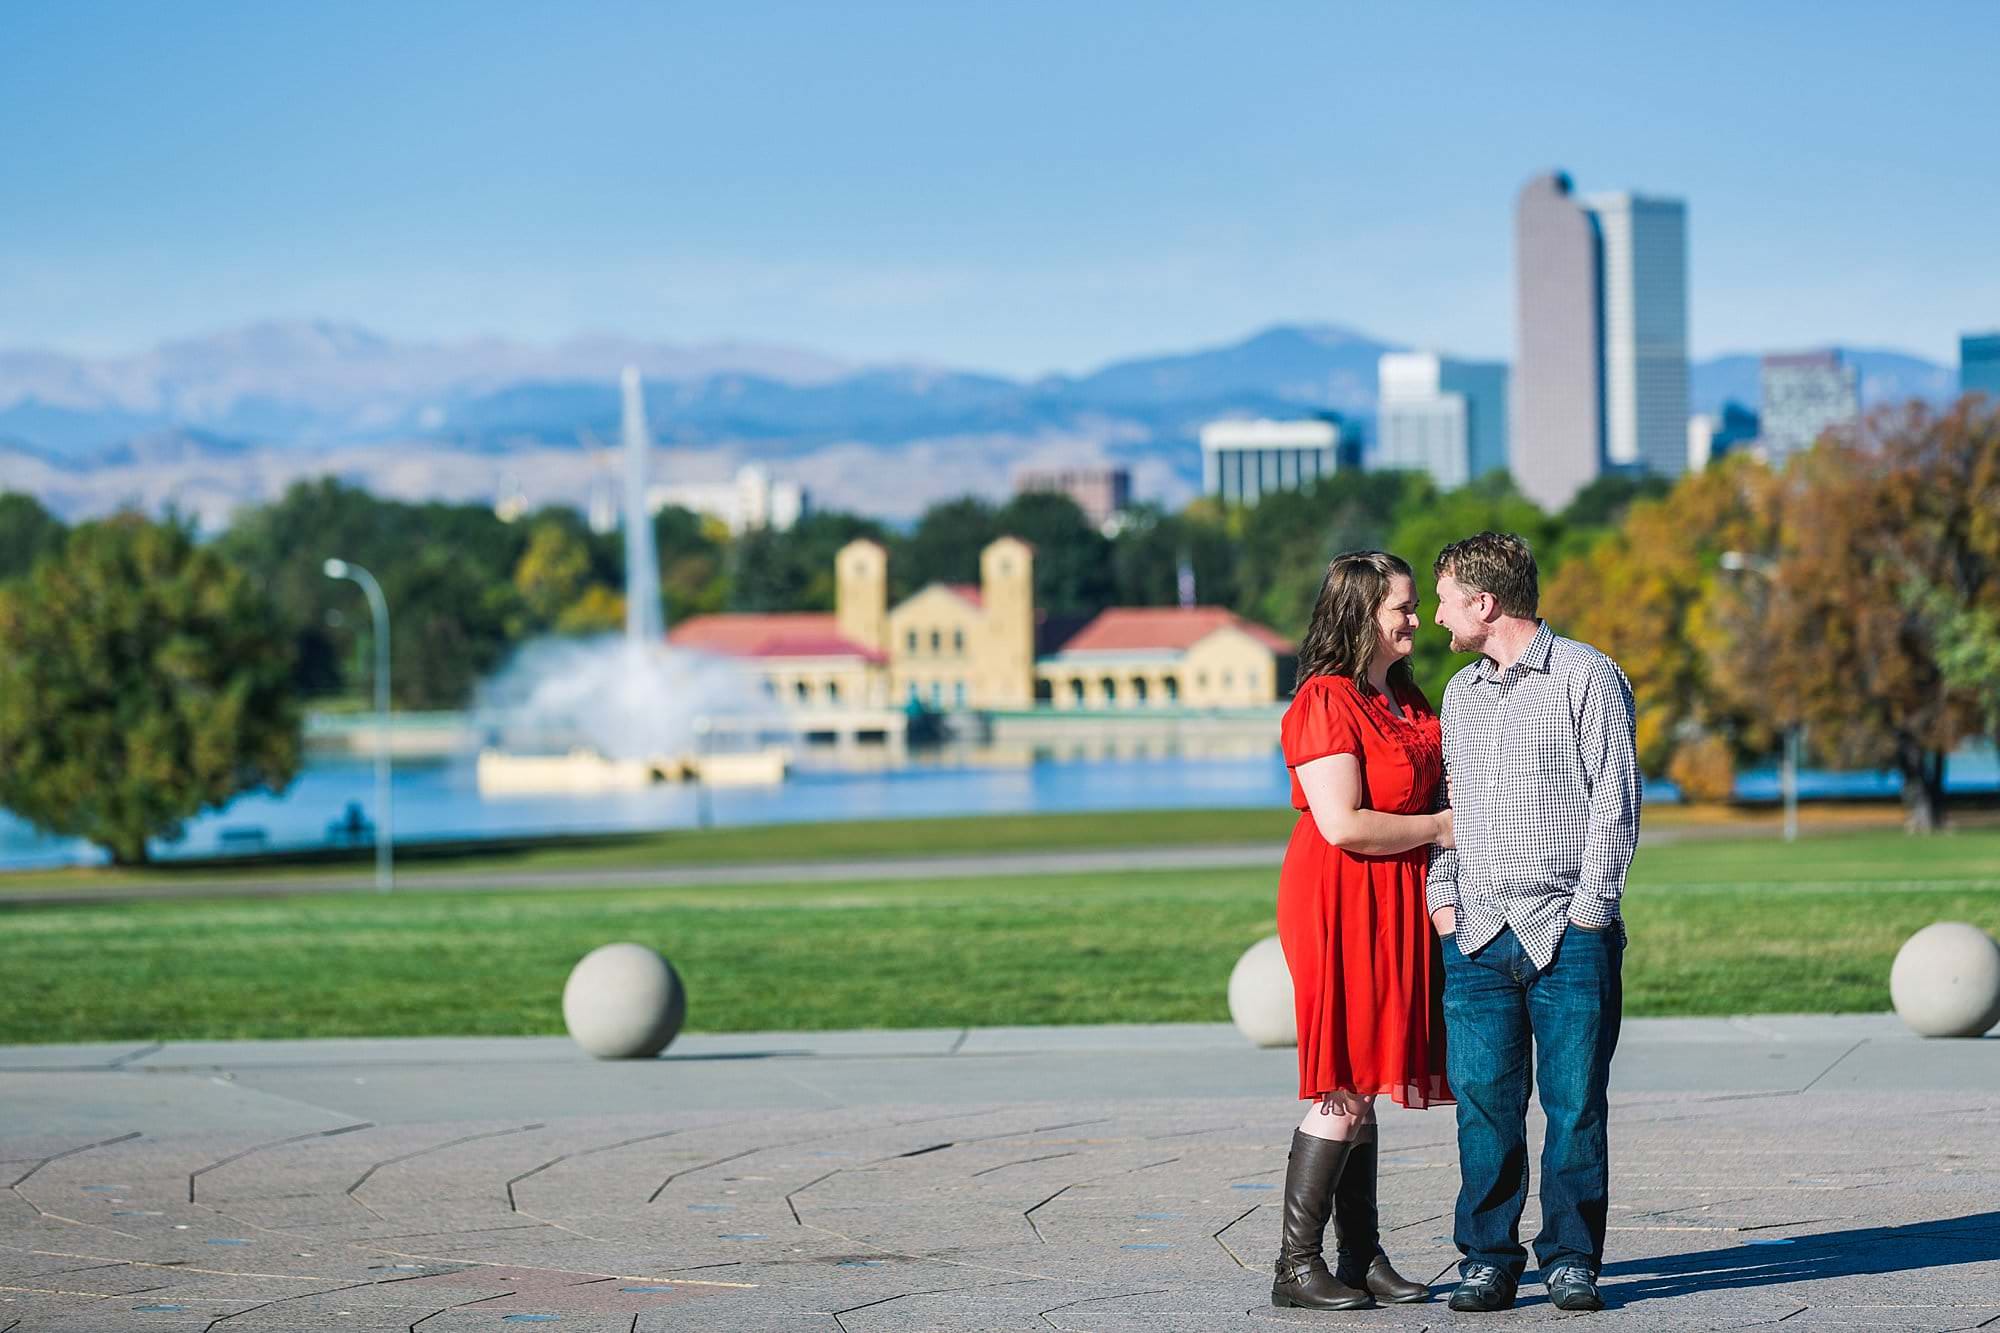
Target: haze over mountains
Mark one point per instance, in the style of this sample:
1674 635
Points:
211 423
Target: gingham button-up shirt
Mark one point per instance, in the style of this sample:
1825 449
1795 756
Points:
1544 789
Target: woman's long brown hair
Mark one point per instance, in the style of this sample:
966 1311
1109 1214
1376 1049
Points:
1342 637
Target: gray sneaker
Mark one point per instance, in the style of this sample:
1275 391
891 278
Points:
1484 1289
1574 1287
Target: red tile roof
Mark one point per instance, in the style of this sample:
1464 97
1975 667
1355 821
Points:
776 634
1130 629
968 591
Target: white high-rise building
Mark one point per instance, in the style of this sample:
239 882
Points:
1644 273
1701 440
1443 417
753 500
1242 461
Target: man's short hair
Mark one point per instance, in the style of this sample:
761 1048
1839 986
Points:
1498 563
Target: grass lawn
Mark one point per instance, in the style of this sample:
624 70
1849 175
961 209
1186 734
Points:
1721 926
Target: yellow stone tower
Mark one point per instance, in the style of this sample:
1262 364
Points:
861 594
1007 589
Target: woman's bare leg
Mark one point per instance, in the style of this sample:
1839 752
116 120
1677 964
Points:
1339 1116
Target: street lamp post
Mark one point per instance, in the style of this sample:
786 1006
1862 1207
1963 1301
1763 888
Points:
702 815
1740 562
385 823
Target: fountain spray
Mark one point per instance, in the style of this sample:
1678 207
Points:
645 621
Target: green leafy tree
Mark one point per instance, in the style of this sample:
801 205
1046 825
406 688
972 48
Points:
606 549
1490 504
551 573
1602 504
283 546
1146 556
944 547
456 625
446 571
143 679
793 570
694 560
1287 538
1072 558
27 532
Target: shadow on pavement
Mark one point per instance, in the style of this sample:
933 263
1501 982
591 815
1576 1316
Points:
1783 1259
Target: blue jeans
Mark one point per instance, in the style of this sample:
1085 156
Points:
1494 1002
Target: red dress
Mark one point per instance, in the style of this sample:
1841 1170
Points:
1367 976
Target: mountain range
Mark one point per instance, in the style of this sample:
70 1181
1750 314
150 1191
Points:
210 423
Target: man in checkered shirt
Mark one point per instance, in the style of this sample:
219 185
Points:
1544 785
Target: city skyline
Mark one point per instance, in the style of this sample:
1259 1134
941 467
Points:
873 183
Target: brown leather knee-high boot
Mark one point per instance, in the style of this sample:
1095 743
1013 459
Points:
1357 1226
1303 1278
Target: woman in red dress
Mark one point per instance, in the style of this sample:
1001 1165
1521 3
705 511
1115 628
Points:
1362 743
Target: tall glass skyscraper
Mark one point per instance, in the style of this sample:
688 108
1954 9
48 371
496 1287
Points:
1644 296
1600 375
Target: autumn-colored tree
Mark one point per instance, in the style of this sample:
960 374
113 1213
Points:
1646 594
551 573
1944 480
1845 644
598 610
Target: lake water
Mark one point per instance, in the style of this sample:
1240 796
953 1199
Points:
440 800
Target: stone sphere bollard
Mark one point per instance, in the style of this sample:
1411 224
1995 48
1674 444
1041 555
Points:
1260 995
1945 981
623 1002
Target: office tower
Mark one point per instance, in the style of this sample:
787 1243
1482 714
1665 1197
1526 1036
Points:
1102 493
1979 364
1444 417
1557 435
1804 395
1242 461
1643 244
1600 373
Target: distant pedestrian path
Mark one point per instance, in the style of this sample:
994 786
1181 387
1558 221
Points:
823 862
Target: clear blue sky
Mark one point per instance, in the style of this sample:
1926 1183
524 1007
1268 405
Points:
1020 187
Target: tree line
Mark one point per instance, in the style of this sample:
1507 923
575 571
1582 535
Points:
146 674
1855 594
465 588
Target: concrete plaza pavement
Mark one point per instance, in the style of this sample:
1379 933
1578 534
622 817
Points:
1822 1172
